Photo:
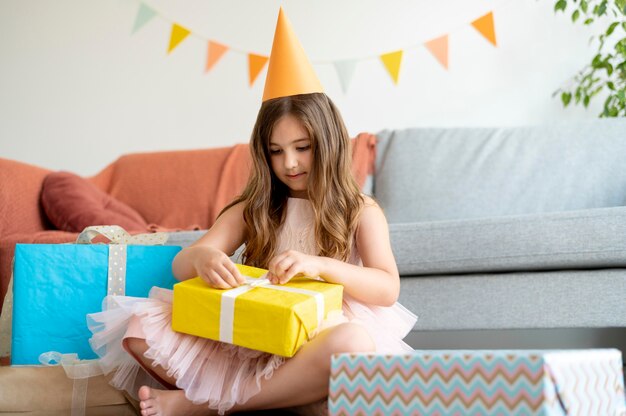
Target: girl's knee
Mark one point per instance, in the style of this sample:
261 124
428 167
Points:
344 338
347 338
134 346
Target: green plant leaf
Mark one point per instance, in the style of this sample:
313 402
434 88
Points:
584 5
610 85
586 101
607 104
611 28
575 15
560 5
620 47
597 61
566 97
596 91
589 21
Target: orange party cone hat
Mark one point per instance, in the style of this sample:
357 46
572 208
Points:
289 71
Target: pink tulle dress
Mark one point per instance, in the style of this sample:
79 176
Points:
219 374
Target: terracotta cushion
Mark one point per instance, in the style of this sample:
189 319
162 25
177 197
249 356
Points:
72 203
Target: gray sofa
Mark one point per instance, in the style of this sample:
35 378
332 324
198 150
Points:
502 235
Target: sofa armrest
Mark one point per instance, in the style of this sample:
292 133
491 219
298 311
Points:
20 187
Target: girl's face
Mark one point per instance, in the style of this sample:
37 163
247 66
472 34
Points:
290 154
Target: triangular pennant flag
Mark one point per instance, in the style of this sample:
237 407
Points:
392 62
179 34
214 53
255 65
486 28
144 15
439 48
345 71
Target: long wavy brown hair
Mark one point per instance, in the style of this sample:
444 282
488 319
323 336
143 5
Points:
332 190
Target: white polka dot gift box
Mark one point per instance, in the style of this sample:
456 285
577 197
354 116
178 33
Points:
56 285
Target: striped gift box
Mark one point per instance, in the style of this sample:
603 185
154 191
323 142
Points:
479 382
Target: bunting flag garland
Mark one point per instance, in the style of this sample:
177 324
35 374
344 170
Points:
144 15
486 28
345 68
345 71
215 52
256 63
392 61
179 34
439 48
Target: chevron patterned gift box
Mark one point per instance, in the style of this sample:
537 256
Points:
479 382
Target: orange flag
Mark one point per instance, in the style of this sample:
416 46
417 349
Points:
214 53
439 48
255 65
486 28
392 61
179 34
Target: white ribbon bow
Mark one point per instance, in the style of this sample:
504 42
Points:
117 235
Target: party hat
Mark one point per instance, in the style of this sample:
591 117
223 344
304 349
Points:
289 71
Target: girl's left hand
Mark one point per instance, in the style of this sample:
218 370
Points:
291 263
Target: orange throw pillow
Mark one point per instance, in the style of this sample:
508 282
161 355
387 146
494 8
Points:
72 203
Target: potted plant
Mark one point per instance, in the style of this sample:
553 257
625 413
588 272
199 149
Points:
607 70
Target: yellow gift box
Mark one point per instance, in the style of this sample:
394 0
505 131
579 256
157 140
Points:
277 319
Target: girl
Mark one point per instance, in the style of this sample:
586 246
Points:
301 213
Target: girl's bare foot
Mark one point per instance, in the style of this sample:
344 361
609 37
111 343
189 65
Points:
155 402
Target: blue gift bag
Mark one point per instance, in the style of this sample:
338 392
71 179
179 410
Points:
56 285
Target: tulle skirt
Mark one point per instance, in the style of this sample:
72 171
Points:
208 371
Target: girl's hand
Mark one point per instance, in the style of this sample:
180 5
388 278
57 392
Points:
291 263
216 268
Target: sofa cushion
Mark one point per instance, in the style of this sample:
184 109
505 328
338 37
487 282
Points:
549 299
72 203
426 174
588 239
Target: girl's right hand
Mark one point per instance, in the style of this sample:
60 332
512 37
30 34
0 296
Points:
216 268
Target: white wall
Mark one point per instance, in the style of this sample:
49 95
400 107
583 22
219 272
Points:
77 89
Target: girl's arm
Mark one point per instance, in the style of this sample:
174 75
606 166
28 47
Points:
376 282
208 256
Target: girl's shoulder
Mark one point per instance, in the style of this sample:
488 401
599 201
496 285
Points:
238 207
371 211
232 213
368 201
